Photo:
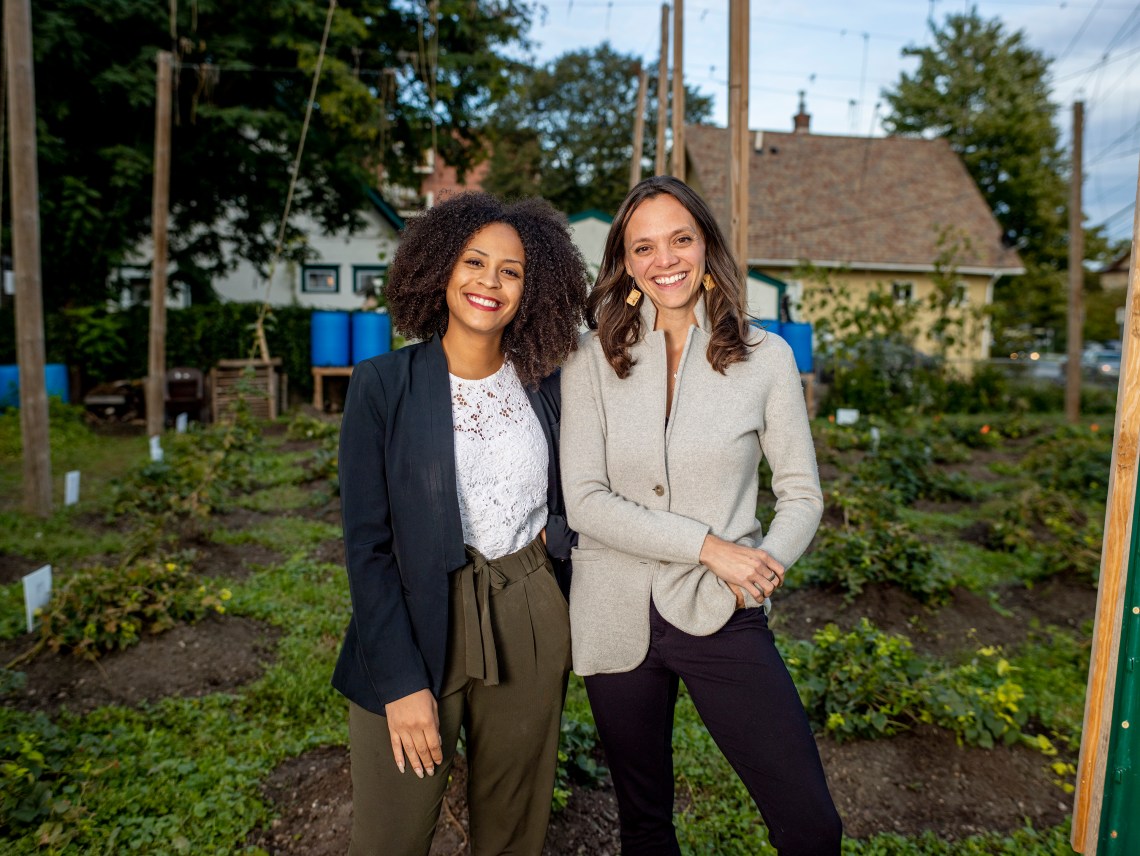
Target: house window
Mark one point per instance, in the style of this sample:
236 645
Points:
320 279
368 278
902 292
961 294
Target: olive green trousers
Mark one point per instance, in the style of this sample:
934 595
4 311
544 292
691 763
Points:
504 684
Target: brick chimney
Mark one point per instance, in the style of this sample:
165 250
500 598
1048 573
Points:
802 120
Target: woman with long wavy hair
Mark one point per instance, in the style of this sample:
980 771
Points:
669 405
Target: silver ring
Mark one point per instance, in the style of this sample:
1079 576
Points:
772 578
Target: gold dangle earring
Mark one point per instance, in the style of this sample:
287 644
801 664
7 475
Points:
633 297
708 283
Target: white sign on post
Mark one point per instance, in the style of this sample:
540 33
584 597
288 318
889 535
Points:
71 488
37 593
155 448
846 416
181 421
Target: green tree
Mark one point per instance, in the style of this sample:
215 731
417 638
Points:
986 92
399 77
566 131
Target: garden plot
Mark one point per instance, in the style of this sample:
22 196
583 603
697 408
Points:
947 693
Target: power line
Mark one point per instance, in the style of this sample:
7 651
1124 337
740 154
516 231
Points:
1080 31
1104 60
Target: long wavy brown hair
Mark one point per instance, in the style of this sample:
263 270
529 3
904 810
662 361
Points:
619 325
545 330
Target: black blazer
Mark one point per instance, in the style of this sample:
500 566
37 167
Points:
402 529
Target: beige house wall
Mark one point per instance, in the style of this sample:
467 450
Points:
973 345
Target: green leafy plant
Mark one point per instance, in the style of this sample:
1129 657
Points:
857 684
872 545
40 782
1053 528
576 758
101 609
866 683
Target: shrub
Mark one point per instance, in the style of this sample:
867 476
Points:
1050 526
866 683
101 609
1074 460
857 684
873 546
904 465
114 345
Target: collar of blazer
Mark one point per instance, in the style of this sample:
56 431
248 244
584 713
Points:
649 315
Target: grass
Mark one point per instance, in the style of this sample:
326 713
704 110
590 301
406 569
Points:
184 775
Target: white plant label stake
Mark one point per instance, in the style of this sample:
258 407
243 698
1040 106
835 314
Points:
71 488
846 416
156 448
37 593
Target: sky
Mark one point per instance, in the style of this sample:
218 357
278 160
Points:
843 53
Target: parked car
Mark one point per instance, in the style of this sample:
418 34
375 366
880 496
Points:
1106 364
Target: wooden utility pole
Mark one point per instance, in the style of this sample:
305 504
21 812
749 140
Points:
1076 273
1107 706
156 376
662 92
678 169
638 127
739 149
30 351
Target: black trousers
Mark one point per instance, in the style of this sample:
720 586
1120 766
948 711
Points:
746 698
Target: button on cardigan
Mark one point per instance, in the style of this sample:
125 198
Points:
643 491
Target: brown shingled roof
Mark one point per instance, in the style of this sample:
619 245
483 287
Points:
858 201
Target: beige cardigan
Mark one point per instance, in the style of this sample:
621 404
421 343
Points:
643 493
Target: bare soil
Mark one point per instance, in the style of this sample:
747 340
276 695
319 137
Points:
215 655
13 567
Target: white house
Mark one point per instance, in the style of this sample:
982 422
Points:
341 267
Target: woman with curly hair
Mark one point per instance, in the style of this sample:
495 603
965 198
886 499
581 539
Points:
669 407
453 523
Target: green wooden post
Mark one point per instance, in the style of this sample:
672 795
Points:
1119 826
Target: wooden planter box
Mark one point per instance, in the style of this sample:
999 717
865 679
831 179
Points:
264 390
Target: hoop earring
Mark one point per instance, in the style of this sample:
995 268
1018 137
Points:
708 283
634 297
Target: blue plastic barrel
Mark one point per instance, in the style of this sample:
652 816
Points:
799 337
330 338
56 381
9 386
371 335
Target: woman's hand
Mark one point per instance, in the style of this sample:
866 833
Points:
413 723
743 568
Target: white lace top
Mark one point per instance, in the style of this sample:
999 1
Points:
500 463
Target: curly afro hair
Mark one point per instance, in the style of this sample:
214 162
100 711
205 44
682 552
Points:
555 283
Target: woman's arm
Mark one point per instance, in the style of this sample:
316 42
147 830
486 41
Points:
787 446
389 653
592 508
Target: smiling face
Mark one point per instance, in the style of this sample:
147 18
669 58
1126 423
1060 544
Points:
486 285
665 254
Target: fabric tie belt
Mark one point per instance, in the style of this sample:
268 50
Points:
478 580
